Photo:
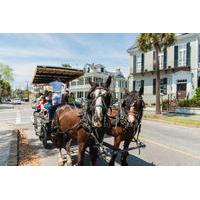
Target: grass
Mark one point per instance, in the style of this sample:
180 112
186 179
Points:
173 120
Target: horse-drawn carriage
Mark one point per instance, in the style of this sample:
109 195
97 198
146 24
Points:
43 76
89 125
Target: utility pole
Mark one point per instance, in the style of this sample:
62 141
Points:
27 87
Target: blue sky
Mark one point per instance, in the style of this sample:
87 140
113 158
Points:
23 52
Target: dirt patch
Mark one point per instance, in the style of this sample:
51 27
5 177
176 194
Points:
27 155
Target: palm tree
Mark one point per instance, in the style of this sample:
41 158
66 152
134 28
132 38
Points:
157 42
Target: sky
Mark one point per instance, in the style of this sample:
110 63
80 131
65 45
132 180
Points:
23 52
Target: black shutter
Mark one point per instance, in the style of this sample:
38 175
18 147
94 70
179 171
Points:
165 59
154 86
188 54
142 69
175 56
142 85
134 64
165 86
199 53
133 85
154 60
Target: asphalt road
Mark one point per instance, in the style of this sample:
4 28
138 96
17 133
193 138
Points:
166 144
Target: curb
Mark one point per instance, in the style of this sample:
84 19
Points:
13 159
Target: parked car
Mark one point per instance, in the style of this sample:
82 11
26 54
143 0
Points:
17 101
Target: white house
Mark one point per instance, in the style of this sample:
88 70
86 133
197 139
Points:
179 67
98 73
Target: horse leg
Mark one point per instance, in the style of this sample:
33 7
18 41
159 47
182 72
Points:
68 150
81 153
60 157
124 155
93 154
114 153
59 145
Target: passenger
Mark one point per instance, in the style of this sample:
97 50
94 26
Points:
48 103
65 97
71 99
57 89
40 106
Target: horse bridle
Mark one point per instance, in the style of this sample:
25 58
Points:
104 106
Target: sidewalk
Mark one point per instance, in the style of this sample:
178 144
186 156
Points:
8 148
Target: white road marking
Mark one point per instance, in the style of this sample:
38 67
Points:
18 117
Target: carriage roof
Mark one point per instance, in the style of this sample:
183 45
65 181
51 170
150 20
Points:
48 74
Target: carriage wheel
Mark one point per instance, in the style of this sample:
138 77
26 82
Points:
44 137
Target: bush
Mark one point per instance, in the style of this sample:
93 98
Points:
194 102
166 103
189 103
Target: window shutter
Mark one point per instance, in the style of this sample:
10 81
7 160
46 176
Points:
154 60
175 56
142 69
133 85
188 54
134 64
142 85
165 59
199 53
154 86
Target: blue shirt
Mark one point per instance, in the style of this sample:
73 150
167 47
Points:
56 86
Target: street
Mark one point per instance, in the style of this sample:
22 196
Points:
166 144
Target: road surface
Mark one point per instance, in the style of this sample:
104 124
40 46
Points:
166 144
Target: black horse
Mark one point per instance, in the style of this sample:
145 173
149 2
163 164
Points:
128 123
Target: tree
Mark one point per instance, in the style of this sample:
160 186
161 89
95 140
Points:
66 65
5 88
157 42
6 72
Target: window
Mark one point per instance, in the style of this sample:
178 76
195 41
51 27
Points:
73 83
79 94
102 69
198 81
98 80
137 85
163 86
80 81
138 63
87 80
182 55
161 60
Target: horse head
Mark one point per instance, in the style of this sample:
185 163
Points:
99 100
133 105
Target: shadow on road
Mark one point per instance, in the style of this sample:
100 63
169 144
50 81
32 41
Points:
5 107
101 161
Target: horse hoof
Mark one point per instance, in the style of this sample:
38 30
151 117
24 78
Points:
60 163
111 164
69 163
124 164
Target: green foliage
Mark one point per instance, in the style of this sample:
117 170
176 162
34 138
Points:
194 102
5 88
66 65
197 94
158 41
6 73
189 103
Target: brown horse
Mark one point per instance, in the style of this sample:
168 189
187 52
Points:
86 126
129 119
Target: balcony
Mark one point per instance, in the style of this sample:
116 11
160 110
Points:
169 69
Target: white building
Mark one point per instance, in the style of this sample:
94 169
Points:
179 67
98 73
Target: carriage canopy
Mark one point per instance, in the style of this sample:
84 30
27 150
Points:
47 74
